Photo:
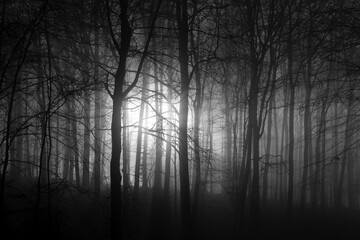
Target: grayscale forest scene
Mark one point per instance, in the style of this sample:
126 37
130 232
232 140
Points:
179 119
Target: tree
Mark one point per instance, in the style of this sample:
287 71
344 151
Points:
118 96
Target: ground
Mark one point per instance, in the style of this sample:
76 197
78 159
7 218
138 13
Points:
78 214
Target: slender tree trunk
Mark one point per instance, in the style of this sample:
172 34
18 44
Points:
86 154
284 144
228 140
157 208
168 144
75 146
57 148
159 136
97 142
350 125
271 77
16 169
291 124
277 153
126 148
210 134
346 155
268 151
97 101
323 156
67 156
197 119
140 131
307 143
336 158
144 154
316 176
254 124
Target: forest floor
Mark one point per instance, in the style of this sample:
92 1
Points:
77 214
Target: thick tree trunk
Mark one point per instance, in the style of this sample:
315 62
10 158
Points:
115 175
182 17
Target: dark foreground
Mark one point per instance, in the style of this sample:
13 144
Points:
77 214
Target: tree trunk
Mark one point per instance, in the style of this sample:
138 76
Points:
272 78
335 158
140 131
323 155
197 119
75 146
67 156
307 142
346 152
228 141
349 141
182 18
144 154
307 124
126 148
86 154
168 141
291 124
278 159
268 151
97 142
115 175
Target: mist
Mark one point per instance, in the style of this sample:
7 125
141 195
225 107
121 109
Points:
179 119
